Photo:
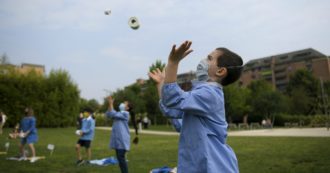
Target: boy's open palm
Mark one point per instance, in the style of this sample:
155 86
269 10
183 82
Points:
178 54
157 75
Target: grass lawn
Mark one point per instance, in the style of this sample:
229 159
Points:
255 154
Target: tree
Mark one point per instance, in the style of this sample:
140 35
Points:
54 98
151 97
4 59
92 103
236 102
303 90
265 102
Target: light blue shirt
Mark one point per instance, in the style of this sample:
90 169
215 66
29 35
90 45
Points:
202 145
88 128
120 136
174 115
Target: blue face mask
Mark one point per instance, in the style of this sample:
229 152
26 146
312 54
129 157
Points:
122 107
202 73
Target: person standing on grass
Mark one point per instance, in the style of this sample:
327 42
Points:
28 134
133 119
3 119
86 136
120 136
202 145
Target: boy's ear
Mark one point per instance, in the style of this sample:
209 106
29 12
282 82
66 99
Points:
222 72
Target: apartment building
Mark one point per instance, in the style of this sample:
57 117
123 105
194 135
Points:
277 69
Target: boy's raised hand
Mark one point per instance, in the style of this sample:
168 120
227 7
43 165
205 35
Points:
176 55
157 75
110 100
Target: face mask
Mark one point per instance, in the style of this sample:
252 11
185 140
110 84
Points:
202 70
122 107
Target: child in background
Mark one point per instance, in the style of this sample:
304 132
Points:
3 119
79 120
86 136
133 119
202 145
28 134
120 136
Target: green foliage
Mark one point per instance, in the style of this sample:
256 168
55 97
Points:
265 101
54 98
101 120
4 59
303 90
302 120
92 103
158 64
236 102
319 120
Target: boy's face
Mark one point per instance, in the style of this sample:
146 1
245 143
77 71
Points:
86 114
215 73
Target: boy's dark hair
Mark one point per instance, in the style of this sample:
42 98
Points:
232 62
29 111
89 110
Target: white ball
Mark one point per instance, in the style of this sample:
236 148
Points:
133 22
21 135
78 132
107 12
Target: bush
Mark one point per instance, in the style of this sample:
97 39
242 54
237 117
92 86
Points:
302 120
319 121
102 120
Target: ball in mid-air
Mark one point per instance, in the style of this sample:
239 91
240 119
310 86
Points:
133 22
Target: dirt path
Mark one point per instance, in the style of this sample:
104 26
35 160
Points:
292 132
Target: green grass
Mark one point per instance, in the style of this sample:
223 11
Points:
255 154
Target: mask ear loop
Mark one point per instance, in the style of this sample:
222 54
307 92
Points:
234 67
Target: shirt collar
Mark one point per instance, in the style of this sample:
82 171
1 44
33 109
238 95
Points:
196 83
89 117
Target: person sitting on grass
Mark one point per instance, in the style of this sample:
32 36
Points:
28 134
120 136
202 144
86 136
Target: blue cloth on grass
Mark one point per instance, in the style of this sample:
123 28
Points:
105 161
163 169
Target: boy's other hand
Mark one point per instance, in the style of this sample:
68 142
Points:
178 54
157 75
110 100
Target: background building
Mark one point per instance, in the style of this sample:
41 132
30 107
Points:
277 69
25 68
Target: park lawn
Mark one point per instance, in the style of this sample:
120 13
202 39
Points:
255 154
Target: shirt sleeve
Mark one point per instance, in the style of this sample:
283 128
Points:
177 124
117 115
171 113
199 101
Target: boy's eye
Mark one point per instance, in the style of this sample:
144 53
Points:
209 58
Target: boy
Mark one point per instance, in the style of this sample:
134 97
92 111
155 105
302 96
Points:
202 145
120 136
28 134
86 135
